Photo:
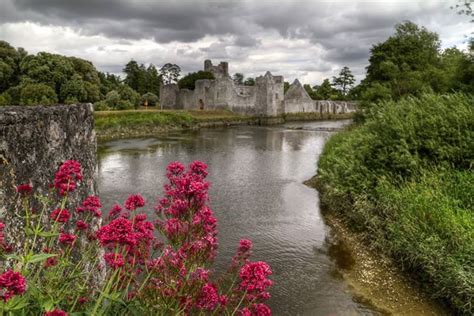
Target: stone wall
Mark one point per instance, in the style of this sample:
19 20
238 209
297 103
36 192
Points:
34 141
265 99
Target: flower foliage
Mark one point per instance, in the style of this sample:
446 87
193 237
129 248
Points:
161 265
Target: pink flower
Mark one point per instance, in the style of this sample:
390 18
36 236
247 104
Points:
208 298
67 239
114 260
51 262
245 312
198 168
81 225
118 231
254 276
245 246
24 188
91 204
134 201
174 169
11 283
175 228
261 310
56 312
68 175
114 211
60 215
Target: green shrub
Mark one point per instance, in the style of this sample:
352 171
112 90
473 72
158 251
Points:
37 93
151 98
404 178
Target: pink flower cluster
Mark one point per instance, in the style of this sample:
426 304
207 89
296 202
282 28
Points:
68 175
60 215
169 270
91 204
11 283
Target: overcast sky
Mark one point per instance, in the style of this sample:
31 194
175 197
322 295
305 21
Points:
309 40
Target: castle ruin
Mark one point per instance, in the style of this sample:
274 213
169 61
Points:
265 98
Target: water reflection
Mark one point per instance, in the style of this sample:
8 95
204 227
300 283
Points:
256 176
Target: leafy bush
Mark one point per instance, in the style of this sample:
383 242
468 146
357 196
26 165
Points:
151 98
404 179
37 93
60 266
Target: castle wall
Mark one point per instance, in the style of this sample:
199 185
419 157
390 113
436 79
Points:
266 98
169 96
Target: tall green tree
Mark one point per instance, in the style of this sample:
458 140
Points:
153 80
136 76
238 78
189 81
170 73
345 81
406 63
249 82
325 91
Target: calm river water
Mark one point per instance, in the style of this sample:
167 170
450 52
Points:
257 192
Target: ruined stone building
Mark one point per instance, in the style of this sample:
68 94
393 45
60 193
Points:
265 98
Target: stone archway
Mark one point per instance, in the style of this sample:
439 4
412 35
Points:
201 104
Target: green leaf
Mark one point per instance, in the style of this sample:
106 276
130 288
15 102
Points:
47 234
39 257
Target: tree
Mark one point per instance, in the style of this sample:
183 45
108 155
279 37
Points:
10 59
153 80
170 73
136 76
238 78
249 82
150 98
407 62
286 86
189 81
130 95
325 91
344 81
309 90
37 93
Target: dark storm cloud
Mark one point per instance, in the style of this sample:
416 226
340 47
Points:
318 35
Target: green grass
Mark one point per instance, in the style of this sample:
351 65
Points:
404 180
152 118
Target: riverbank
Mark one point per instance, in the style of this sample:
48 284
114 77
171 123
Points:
136 123
402 182
373 278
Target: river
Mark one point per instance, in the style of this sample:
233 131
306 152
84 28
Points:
257 192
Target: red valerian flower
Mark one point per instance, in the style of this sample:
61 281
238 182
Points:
245 312
261 309
81 225
67 239
114 260
208 298
91 204
119 231
198 168
174 169
114 211
254 276
60 215
24 188
51 262
134 201
56 312
11 283
68 175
